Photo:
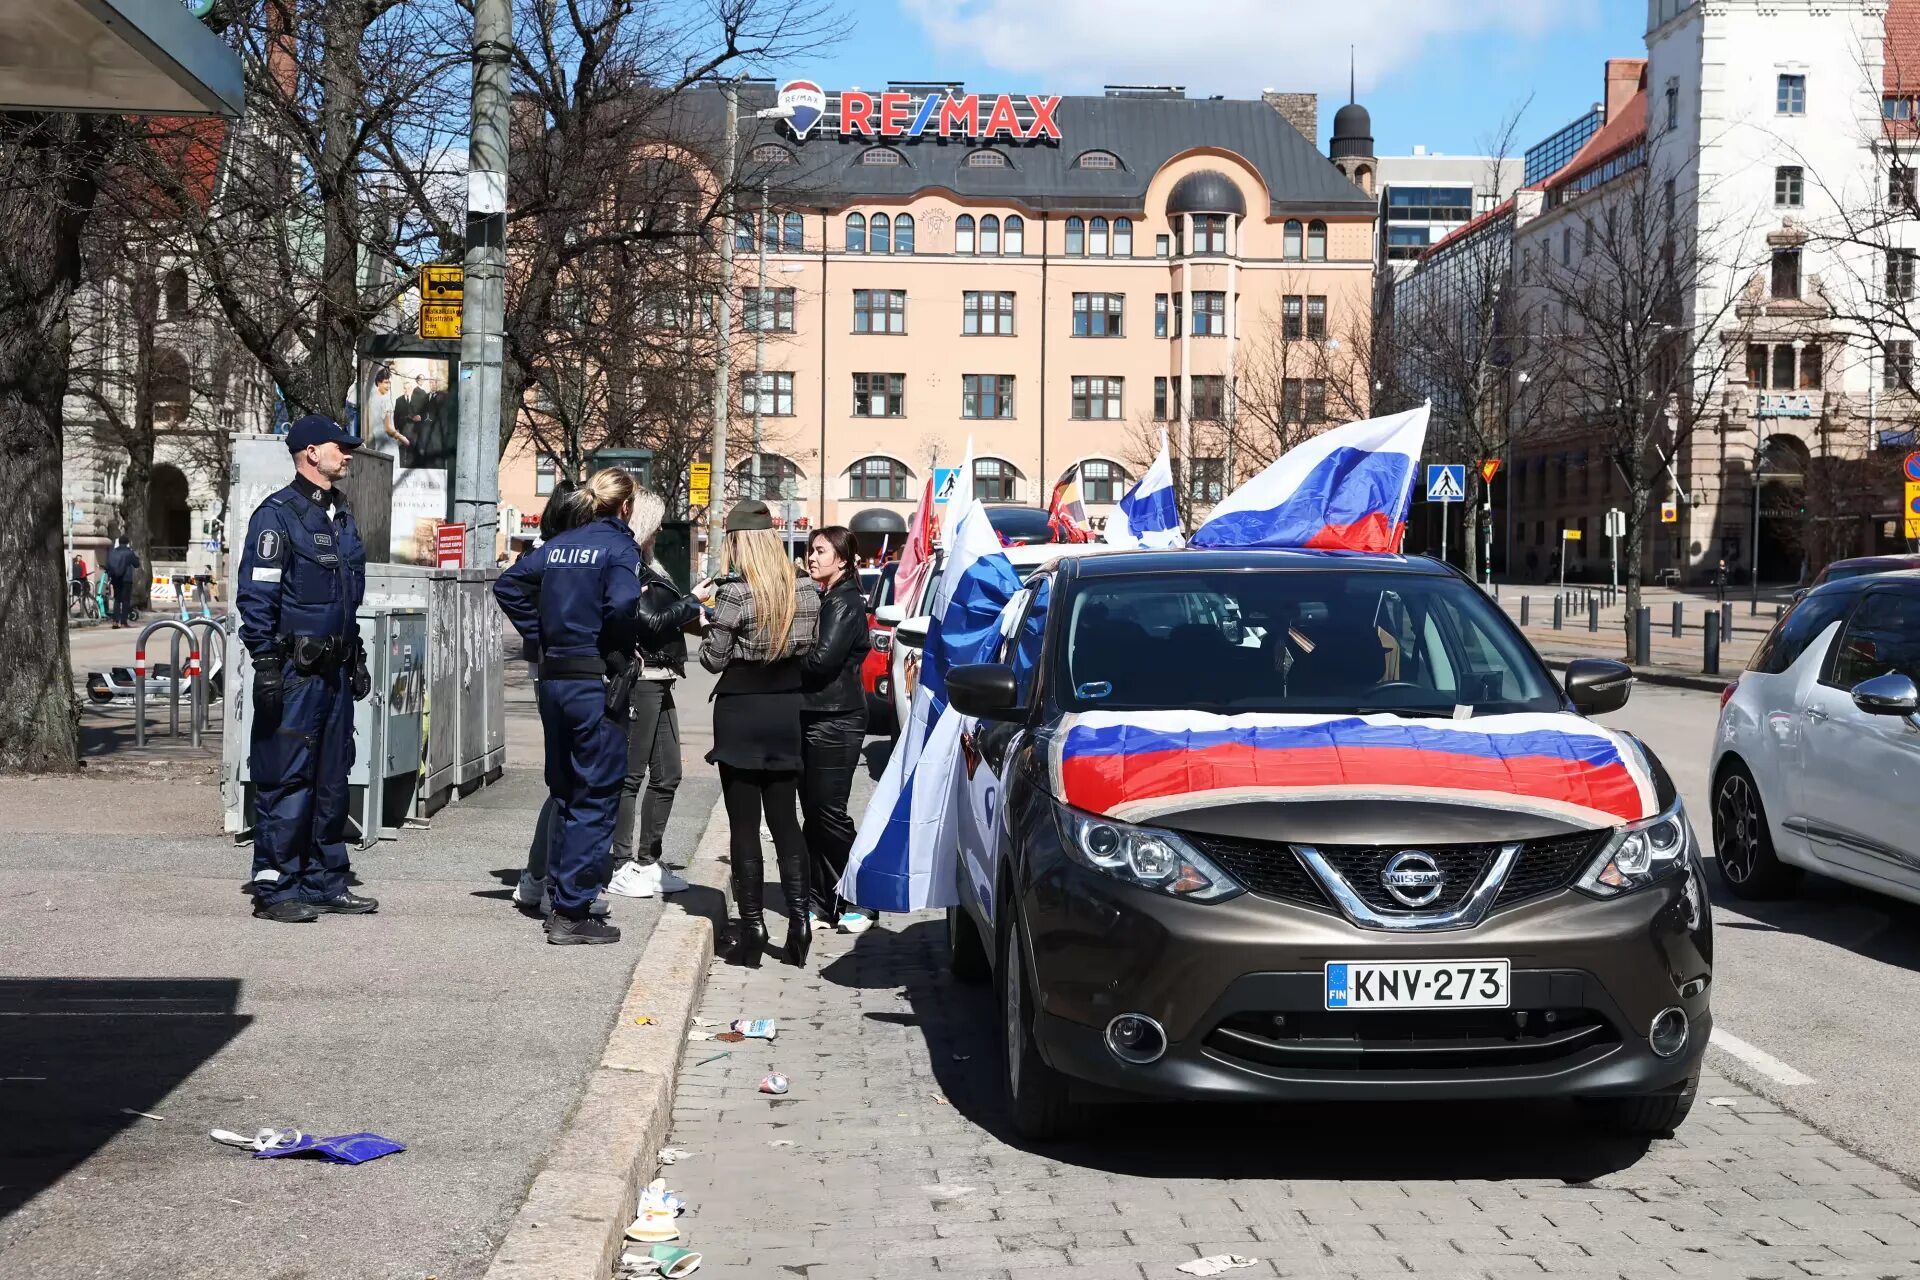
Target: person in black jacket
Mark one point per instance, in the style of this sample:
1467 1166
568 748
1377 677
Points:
833 724
653 731
122 562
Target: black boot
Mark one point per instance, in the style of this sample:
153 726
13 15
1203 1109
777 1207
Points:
793 884
747 937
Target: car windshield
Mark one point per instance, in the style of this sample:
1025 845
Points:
1290 640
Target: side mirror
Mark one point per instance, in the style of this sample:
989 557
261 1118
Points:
1889 695
890 615
1596 686
984 690
1799 595
912 634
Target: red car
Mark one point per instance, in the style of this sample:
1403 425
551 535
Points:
874 680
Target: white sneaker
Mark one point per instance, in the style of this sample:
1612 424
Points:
669 882
855 922
529 891
631 880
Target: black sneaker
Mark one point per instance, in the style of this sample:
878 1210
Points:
591 932
288 911
348 903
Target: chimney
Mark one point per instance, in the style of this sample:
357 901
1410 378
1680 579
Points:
1301 110
1625 77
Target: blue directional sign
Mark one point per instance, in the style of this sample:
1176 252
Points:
1447 482
946 484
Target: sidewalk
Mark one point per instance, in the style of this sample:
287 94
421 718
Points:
1681 659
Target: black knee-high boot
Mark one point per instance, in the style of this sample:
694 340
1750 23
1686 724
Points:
794 876
749 933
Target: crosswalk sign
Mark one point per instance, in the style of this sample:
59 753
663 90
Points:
946 485
1447 482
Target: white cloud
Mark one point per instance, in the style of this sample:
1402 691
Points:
1231 47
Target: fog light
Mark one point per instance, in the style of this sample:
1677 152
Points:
1669 1033
1136 1038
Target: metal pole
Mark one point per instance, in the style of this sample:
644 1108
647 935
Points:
760 348
1643 635
1444 508
476 487
1710 659
1754 577
716 509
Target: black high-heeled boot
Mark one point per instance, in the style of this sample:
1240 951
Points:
793 884
747 939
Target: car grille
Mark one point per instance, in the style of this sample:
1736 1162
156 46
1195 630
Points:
1265 867
1412 1040
1548 866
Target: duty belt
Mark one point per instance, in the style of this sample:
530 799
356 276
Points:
573 668
317 654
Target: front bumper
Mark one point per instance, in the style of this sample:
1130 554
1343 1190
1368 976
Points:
1238 987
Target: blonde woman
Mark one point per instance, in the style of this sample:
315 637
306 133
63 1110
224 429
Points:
764 620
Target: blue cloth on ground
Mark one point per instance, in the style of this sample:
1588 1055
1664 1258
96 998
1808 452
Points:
351 1148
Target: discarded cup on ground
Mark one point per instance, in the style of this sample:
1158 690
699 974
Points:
662 1260
774 1083
756 1028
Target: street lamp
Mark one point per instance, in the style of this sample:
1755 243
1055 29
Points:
760 317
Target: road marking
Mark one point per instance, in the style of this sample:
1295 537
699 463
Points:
1759 1059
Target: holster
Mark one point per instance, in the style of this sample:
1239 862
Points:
623 671
316 655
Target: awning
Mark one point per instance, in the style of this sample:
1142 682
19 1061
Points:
876 521
131 57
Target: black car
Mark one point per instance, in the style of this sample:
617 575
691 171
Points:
1305 825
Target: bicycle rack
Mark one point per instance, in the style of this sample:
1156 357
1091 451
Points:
196 686
213 658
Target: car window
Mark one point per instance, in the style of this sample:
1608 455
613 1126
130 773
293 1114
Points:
1806 622
882 591
1020 649
1295 641
1882 637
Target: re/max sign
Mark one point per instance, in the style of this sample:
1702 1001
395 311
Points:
899 114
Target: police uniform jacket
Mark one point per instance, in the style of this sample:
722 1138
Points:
303 573
577 595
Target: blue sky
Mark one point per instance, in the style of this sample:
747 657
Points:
1439 72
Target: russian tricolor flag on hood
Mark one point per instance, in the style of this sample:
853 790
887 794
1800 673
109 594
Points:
1344 490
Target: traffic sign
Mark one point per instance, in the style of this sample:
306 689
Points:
1616 523
1489 469
1669 513
699 484
1447 482
1571 535
946 484
1913 509
1912 466
450 546
442 295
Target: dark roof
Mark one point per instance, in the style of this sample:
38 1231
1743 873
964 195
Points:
1143 132
1188 559
1206 191
1352 132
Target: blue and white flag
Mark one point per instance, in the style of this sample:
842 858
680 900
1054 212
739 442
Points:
1148 516
905 857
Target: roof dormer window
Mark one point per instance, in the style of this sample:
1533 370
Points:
1097 160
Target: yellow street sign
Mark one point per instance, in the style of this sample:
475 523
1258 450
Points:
1669 513
1912 509
699 484
442 294
1571 535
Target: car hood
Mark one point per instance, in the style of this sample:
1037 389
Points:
1350 779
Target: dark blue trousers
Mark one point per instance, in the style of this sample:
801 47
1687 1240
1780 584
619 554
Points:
300 763
586 762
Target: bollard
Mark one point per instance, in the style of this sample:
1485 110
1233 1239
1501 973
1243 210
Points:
1710 660
1593 615
1753 607
1525 610
1726 622
1559 609
1643 635
1779 612
1679 619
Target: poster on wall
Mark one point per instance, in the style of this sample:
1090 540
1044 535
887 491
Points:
419 508
418 404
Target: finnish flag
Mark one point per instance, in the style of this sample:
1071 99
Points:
1148 516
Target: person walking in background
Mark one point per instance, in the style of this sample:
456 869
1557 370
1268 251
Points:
653 733
122 563
576 598
79 570
763 623
833 724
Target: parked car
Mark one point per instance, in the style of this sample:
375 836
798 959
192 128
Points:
874 681
1021 526
1377 854
1817 758
1859 566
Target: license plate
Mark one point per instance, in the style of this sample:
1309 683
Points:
1418 984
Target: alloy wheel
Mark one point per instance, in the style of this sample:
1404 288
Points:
1736 827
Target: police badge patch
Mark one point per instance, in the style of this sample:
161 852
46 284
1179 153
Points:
268 546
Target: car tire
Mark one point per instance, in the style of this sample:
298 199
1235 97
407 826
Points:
1037 1096
966 954
1650 1115
1742 840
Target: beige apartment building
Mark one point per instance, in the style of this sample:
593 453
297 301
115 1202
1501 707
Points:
1054 297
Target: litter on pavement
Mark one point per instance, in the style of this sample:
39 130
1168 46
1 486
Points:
658 1209
673 1155
144 1115
661 1260
1218 1264
756 1028
729 1037
346 1148
643 1021
728 1053
262 1140
774 1083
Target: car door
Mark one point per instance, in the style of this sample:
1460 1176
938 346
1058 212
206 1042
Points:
1860 772
988 745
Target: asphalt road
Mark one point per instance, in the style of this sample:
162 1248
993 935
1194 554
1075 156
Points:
1824 983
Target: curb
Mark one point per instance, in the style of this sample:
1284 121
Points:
1663 676
572 1224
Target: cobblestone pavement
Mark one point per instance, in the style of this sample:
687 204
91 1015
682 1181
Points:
891 1157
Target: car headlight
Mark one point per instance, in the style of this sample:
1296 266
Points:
1640 854
1143 856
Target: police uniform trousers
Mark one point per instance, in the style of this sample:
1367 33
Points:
300 765
586 763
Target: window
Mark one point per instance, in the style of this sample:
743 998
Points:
1783 367
1786 273
1207 479
1900 186
1209 397
1897 108
1316 241
1160 246
1790 96
879 234
793 233
769 309
1882 639
1209 314
1897 375
1566 246
1586 238
1159 399
903 233
1292 327
770 231
1788 186
1097 398
963 233
1098 160
1016 236
1159 315
879 395
772 153
1812 361
879 310
778 478
175 290
856 233
1097 315
1757 365
986 395
987 313
1076 237
1806 622
770 394
877 479
1303 400
1102 481
1317 317
993 480
1123 237
986 160
1210 233
1097 238
883 157
546 474
1673 104
990 234
1900 274
743 231
1290 241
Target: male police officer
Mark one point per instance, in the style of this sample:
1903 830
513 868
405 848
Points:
302 576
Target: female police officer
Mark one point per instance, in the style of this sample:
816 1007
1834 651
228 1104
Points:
576 599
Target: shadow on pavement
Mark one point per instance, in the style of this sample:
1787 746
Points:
78 1056
1385 1142
1878 928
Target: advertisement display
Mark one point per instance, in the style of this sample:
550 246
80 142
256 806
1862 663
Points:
419 508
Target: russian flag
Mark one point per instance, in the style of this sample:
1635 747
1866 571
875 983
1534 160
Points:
1344 490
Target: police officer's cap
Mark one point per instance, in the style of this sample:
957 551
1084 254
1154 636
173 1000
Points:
318 428
751 514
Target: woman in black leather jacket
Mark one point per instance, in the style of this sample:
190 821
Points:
833 724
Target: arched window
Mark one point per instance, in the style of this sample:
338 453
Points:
175 290
903 233
990 234
986 160
1290 245
856 233
1016 239
1123 237
1097 160
171 386
779 478
963 233
994 480
881 156
793 233
1097 238
878 479
772 153
1076 237
770 232
1102 481
879 234
1316 241
743 232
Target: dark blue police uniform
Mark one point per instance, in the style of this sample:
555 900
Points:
302 577
576 599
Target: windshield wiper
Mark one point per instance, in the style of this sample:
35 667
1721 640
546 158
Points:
1417 713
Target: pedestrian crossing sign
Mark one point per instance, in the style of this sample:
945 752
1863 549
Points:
946 485
1447 482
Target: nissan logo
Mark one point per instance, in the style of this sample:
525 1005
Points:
1413 878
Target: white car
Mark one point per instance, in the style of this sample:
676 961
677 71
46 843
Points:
1817 759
